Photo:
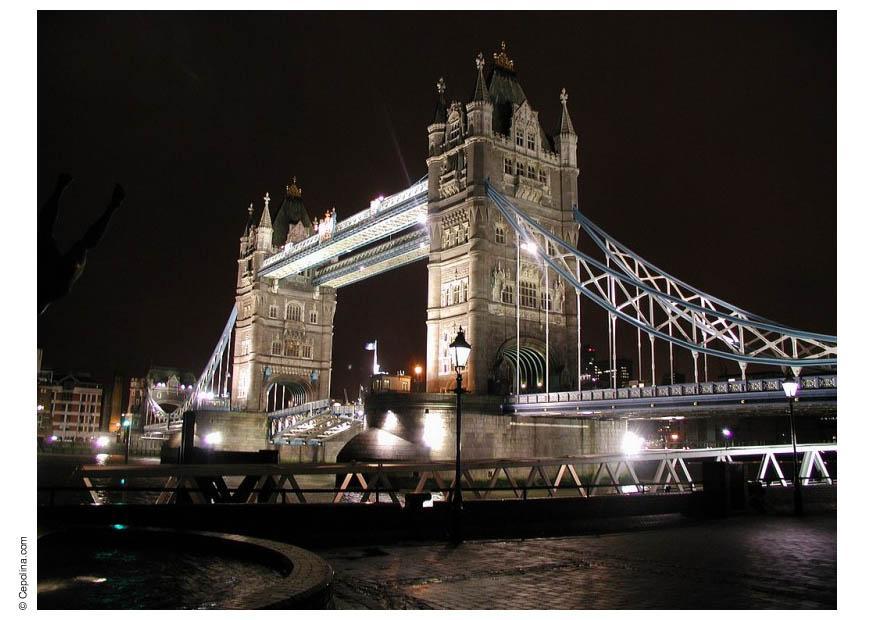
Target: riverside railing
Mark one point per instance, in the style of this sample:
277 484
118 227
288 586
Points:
650 471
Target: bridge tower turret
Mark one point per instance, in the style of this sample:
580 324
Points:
284 328
497 138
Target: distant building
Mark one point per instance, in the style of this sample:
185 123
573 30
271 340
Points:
71 406
123 399
390 383
603 373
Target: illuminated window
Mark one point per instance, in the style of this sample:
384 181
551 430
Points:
507 294
508 165
499 234
455 130
276 348
530 141
272 312
528 295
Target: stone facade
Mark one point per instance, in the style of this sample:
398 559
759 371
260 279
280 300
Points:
498 138
283 334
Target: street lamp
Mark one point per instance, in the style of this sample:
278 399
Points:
417 371
459 352
791 388
126 423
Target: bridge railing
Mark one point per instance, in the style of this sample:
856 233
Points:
808 384
649 471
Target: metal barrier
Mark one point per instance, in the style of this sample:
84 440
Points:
750 386
651 471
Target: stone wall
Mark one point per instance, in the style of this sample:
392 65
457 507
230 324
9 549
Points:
241 431
428 421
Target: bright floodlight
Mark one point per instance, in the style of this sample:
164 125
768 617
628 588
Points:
727 433
530 247
417 370
102 441
790 387
460 350
213 439
632 443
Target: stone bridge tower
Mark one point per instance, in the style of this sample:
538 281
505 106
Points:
497 137
284 329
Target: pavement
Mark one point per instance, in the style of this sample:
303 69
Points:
744 562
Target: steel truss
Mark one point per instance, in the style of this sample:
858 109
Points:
650 471
663 306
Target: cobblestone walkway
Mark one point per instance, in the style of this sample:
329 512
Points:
744 562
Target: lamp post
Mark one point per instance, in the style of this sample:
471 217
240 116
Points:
127 424
417 372
791 388
459 352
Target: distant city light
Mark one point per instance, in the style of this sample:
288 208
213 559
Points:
727 433
53 438
39 407
102 441
674 436
632 443
417 370
119 526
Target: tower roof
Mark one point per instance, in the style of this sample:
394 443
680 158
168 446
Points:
507 94
565 125
290 212
440 108
249 219
481 93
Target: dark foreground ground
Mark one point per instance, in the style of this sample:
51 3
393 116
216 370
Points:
745 562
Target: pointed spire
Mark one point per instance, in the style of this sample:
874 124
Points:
565 125
480 91
265 214
440 108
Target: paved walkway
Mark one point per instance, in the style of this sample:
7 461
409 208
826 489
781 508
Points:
738 563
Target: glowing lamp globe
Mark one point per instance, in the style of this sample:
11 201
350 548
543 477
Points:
791 387
459 351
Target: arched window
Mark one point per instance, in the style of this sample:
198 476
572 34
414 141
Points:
272 313
499 234
314 317
293 312
528 295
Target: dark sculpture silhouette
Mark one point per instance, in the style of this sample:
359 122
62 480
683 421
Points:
57 272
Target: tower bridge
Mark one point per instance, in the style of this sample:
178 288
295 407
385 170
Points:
498 221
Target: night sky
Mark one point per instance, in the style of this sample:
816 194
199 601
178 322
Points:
707 144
